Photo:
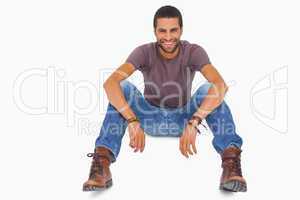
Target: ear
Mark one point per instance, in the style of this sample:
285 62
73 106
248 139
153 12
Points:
181 31
154 31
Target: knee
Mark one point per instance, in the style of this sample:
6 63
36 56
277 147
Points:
201 92
125 83
221 109
127 88
203 89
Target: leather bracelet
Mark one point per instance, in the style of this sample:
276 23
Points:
194 127
133 119
199 119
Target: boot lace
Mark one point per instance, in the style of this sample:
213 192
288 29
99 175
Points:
96 167
234 165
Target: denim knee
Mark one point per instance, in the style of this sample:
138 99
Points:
128 89
203 89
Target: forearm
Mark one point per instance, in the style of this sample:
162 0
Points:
212 100
116 98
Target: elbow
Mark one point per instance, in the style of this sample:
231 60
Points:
225 88
223 92
221 86
106 84
110 82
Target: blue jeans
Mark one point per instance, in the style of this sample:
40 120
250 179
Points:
170 122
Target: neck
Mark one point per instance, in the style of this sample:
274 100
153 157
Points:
169 56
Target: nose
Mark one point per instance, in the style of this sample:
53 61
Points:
168 36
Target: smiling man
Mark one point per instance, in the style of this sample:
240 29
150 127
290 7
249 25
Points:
167 107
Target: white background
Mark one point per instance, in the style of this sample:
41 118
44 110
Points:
44 155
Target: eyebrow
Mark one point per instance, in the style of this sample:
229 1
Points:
172 29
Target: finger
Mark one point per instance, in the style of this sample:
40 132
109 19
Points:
143 143
185 143
131 142
190 141
131 145
181 145
189 146
139 142
142 137
193 144
131 138
136 143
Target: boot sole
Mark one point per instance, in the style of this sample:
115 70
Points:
108 184
234 186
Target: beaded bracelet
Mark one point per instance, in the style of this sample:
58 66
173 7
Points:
133 119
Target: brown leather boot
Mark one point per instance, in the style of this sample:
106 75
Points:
232 179
100 175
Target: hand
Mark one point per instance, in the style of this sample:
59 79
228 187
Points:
136 136
187 140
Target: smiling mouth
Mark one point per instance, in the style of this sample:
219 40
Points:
169 44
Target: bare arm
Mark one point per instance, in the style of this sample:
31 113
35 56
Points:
116 97
215 94
212 100
114 92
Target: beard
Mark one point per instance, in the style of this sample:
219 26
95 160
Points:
160 44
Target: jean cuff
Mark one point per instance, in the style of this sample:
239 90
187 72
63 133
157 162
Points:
113 155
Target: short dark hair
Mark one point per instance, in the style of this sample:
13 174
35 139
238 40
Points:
167 12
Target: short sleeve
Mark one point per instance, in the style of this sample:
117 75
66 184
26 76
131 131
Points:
137 58
198 58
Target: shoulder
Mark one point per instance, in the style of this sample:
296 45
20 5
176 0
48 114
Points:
147 47
147 51
191 47
141 55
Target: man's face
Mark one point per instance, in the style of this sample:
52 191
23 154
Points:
168 33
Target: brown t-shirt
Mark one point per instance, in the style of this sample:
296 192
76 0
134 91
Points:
168 82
